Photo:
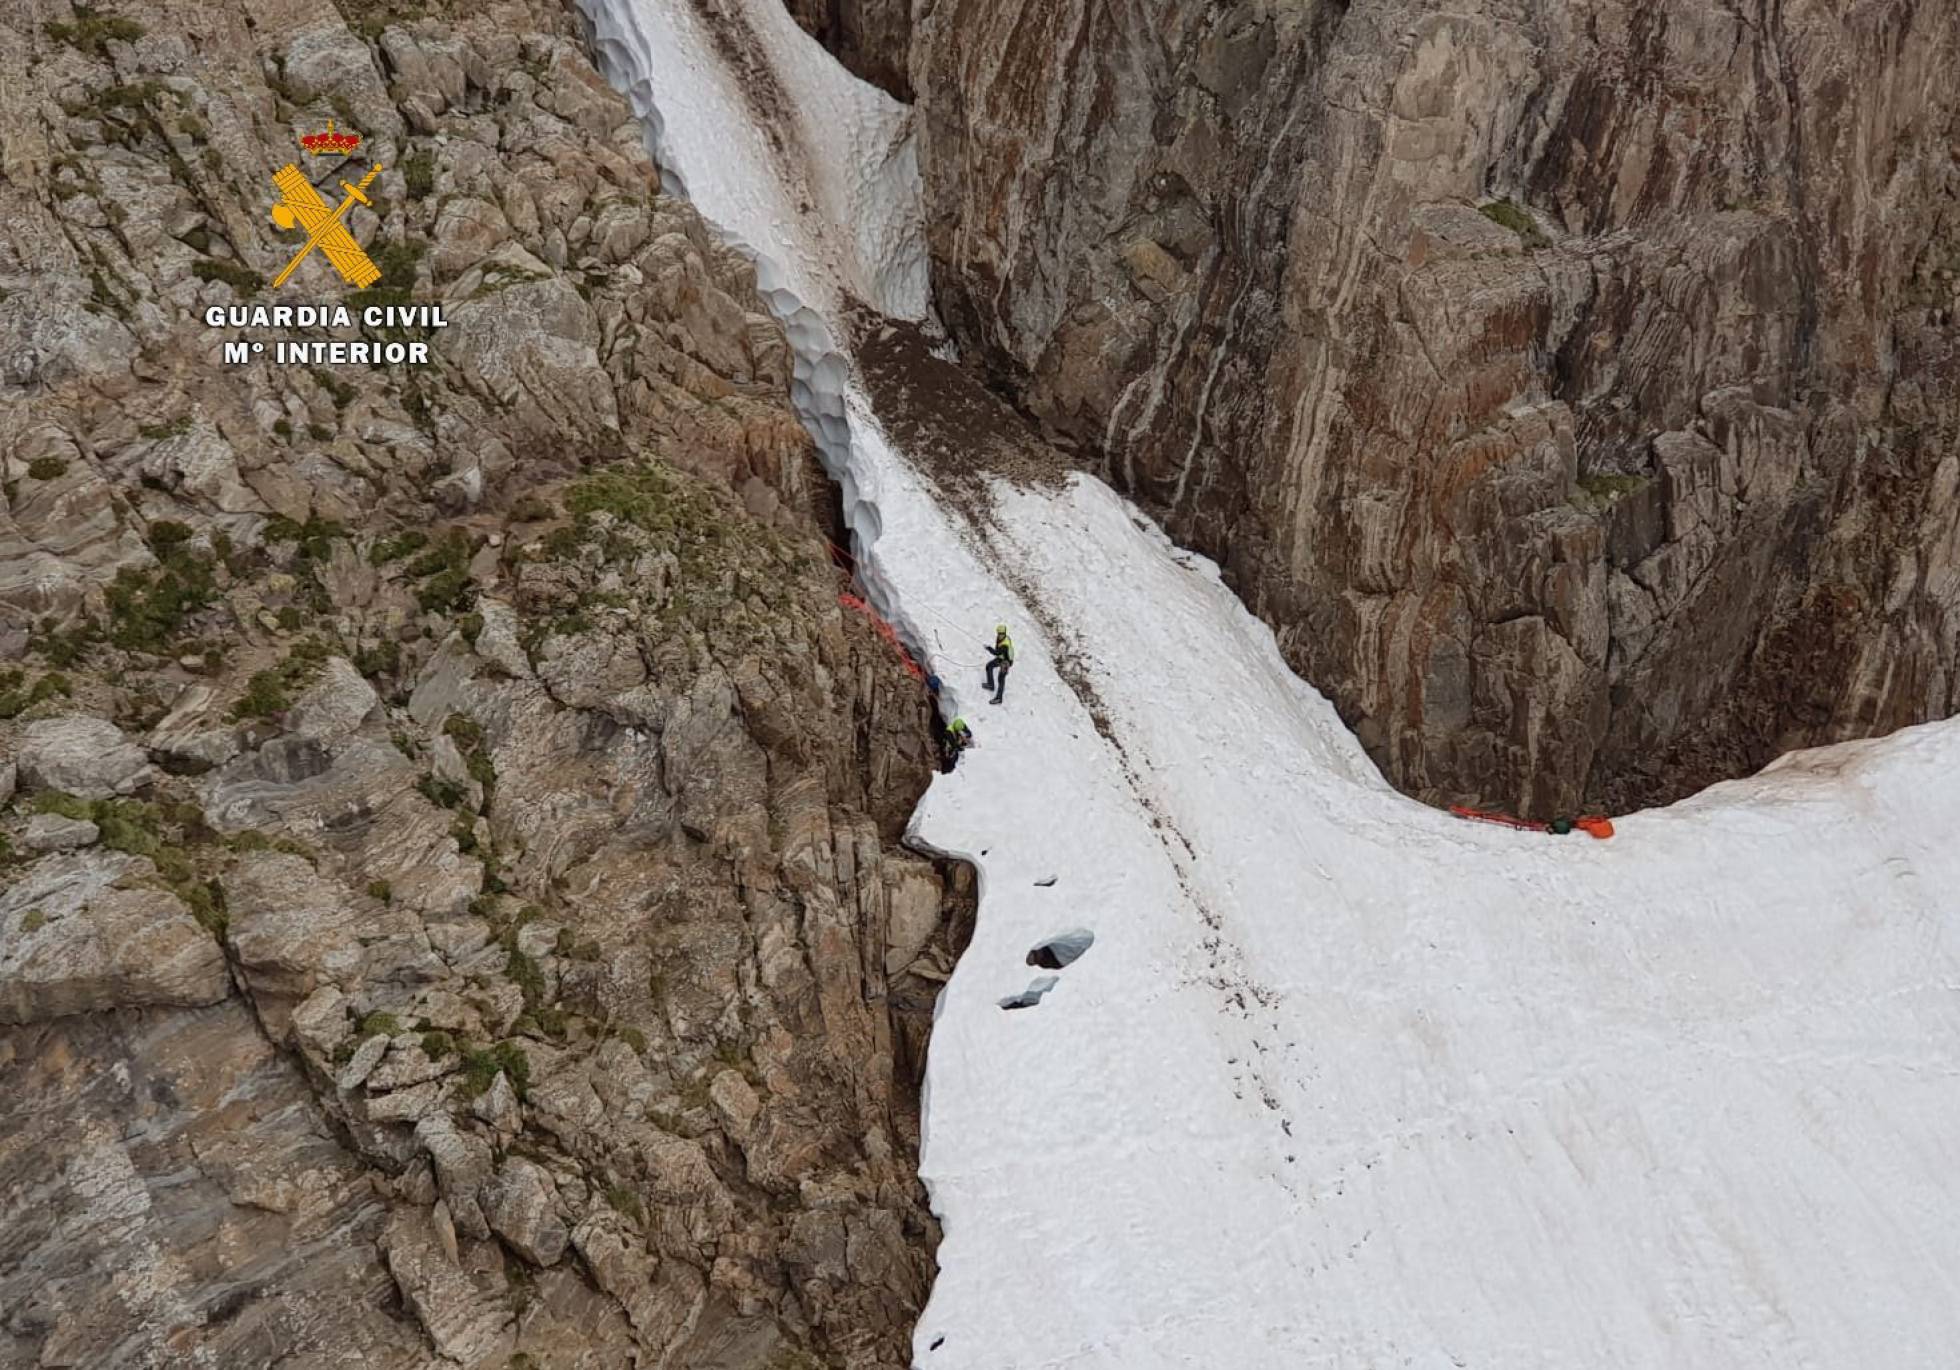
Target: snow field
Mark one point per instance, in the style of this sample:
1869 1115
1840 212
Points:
1682 1098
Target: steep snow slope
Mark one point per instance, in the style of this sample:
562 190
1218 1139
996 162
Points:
1339 1080
1343 1081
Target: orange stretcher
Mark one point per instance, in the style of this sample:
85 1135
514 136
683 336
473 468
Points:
1593 825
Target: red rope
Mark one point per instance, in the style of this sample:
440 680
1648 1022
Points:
1501 819
885 630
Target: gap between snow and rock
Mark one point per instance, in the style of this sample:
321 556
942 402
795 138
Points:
771 75
734 55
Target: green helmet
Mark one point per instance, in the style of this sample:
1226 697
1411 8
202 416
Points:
1000 630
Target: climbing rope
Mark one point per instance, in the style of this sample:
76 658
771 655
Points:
949 659
966 633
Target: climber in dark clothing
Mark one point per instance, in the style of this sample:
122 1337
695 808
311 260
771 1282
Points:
958 737
1000 662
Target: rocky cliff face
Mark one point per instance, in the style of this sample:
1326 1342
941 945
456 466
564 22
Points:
449 828
1572 386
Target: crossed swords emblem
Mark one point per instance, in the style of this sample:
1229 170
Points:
299 203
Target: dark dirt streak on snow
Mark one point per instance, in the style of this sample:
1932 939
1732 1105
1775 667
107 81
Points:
770 108
959 435
1226 973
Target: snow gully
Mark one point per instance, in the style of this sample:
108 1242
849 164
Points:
867 245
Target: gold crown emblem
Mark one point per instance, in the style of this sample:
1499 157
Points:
330 143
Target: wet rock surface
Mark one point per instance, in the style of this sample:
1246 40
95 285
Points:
1571 387
454 906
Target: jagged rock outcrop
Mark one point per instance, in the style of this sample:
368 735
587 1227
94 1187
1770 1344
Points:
454 904
86 757
1573 387
79 940
174 1196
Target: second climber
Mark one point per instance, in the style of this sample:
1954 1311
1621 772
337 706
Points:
1000 662
956 738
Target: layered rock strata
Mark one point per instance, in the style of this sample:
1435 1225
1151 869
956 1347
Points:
455 909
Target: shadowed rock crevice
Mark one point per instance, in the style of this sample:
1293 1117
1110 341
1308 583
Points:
870 37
